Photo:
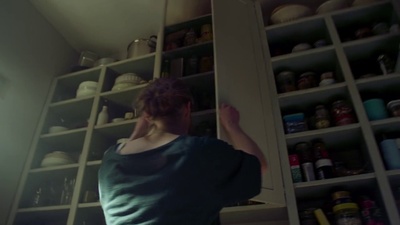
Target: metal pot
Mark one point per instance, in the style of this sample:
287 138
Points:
142 46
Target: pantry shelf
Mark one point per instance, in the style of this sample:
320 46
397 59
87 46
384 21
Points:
189 23
301 54
187 51
89 205
253 213
319 187
386 125
43 209
54 168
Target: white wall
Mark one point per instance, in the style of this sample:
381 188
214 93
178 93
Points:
31 53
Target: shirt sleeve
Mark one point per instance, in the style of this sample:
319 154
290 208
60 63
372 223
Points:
235 173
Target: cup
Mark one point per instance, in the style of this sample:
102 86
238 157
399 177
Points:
375 109
391 154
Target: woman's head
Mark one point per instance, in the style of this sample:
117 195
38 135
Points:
164 98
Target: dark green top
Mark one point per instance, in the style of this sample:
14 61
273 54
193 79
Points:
184 182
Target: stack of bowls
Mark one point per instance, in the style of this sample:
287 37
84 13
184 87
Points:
86 88
56 158
127 80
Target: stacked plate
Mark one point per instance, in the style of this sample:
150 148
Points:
127 80
56 158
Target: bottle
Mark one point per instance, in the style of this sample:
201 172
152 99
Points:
295 168
102 118
323 164
165 68
306 158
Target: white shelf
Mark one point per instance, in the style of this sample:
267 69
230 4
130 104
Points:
124 97
295 22
204 48
329 135
63 139
79 75
71 101
386 125
89 205
369 40
313 95
378 82
318 188
64 133
54 168
94 163
393 173
253 213
45 208
305 53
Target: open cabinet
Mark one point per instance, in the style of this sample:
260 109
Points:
67 194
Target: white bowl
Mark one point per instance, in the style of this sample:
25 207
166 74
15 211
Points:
56 158
129 78
88 84
104 61
84 92
289 12
326 82
56 129
51 161
118 120
122 86
332 5
301 47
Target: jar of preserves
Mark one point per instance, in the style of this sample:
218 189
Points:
322 119
307 80
347 214
342 113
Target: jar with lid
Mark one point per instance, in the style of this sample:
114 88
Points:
322 119
342 113
286 81
190 38
341 197
307 80
347 214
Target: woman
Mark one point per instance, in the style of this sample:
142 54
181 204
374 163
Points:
164 176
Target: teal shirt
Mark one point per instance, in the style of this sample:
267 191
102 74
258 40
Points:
184 182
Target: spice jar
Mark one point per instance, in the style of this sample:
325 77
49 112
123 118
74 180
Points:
341 197
342 113
394 107
347 214
190 38
327 78
322 119
286 81
306 80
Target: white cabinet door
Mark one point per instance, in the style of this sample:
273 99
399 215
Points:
241 81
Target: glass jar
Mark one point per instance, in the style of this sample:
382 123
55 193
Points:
286 81
342 113
307 80
322 119
347 214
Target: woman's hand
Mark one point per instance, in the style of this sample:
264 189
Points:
229 116
142 128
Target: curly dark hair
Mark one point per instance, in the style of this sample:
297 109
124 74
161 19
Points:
164 97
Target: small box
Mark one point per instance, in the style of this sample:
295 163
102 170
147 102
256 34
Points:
295 123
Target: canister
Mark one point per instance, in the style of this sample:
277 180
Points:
141 46
375 109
